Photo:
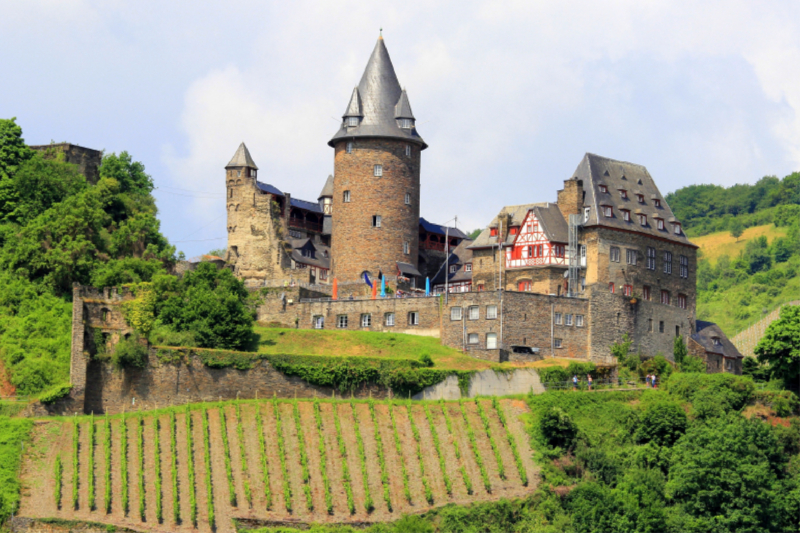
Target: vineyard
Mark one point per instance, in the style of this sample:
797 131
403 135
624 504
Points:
201 467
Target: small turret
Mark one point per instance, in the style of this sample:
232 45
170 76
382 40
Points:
326 196
402 112
240 161
353 115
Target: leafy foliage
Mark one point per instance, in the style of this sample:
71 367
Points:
558 428
780 345
14 433
130 352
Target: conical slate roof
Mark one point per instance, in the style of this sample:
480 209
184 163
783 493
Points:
379 93
403 108
354 107
327 190
242 158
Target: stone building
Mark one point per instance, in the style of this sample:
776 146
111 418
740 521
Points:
712 346
88 160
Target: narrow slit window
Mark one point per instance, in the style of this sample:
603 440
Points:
378 171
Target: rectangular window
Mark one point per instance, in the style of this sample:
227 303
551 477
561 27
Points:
568 319
682 301
623 194
468 267
557 343
661 326
378 171
677 331
650 325
346 196
524 286
350 148
646 293
230 193
341 321
665 297
388 319
366 320
684 266
579 321
640 197
642 220
667 262
615 254
677 228
474 312
656 202
626 215
352 122
319 322
408 198
559 250
408 150
406 248
453 269
651 258
472 338
376 221
455 313
493 232
491 341
630 256
627 290
491 312
611 287
558 319
586 214
603 188
413 318
608 211
660 223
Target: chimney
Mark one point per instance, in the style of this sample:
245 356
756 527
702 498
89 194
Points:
570 198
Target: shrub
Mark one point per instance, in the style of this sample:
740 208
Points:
557 428
130 352
55 393
14 432
712 394
662 423
425 359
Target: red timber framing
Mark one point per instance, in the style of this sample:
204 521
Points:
532 248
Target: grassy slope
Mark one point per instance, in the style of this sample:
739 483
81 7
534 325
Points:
714 245
369 343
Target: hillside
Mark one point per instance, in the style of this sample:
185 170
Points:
311 461
715 245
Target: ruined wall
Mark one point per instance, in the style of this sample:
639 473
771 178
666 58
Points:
87 160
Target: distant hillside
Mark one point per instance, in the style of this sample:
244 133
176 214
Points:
739 280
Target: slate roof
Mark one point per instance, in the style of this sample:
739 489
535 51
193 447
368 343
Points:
266 187
706 331
327 190
552 222
377 95
408 269
319 259
303 204
460 255
354 107
596 170
517 212
440 230
403 107
242 158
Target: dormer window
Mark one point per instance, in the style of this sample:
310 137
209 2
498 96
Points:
677 228
716 341
513 230
468 267
453 269
608 211
640 197
656 202
351 122
603 188
643 220
626 215
660 223
406 123
493 232
624 194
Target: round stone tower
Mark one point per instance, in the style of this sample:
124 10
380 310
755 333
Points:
375 211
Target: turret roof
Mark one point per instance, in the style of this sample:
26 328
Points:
242 158
327 190
379 93
403 108
354 107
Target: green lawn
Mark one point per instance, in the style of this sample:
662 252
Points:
362 343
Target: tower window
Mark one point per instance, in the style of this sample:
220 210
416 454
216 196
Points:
376 221
408 150
378 171
406 123
406 248
586 214
352 122
346 196
408 198
349 147
230 193
252 173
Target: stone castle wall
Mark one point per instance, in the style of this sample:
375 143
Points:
87 160
356 245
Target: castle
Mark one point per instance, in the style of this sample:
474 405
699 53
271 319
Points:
569 277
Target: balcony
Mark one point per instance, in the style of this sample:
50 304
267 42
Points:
430 245
299 223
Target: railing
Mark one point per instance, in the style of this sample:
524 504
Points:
367 298
430 245
304 224
600 384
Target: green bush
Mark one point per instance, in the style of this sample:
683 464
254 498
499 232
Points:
662 423
558 429
14 433
53 394
712 394
130 352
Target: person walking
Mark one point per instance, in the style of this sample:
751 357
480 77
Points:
647 380
589 380
654 381
575 382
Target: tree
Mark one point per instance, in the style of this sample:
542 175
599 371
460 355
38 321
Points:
736 228
558 428
38 185
663 423
780 345
13 150
679 350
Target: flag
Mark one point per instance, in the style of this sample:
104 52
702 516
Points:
427 286
335 293
366 279
383 287
374 290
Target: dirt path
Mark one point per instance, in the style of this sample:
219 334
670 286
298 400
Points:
100 466
200 471
275 472
223 508
37 475
185 489
239 477
117 514
254 467
150 471
514 410
167 496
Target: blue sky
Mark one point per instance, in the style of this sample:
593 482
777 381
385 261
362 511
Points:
508 95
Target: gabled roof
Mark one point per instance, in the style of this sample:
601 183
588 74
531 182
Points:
303 204
319 259
403 108
271 189
407 269
552 222
595 171
460 256
327 190
379 92
354 107
440 230
517 214
242 158
706 331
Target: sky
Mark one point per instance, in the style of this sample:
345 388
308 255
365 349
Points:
508 95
